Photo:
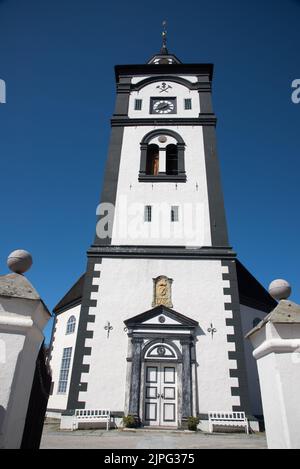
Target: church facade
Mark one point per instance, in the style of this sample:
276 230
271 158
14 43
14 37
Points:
155 327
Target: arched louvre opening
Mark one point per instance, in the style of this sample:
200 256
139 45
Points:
152 164
172 160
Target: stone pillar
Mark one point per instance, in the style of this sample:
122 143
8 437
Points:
23 317
276 342
186 380
162 160
135 384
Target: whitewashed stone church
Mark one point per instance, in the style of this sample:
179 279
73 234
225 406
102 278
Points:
155 327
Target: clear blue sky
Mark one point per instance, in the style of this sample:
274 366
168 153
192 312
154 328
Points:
57 59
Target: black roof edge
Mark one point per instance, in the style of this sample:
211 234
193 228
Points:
251 292
153 69
71 298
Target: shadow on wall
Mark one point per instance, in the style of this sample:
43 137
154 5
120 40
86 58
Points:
2 410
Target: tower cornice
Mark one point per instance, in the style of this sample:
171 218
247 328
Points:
203 119
161 252
160 69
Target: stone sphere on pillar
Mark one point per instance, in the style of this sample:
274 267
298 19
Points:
19 261
280 289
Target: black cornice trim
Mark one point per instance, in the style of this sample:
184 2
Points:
159 69
198 85
162 178
161 252
203 119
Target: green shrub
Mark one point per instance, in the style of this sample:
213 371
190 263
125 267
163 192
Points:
129 421
192 423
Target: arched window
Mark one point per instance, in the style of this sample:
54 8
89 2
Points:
162 157
71 325
152 164
171 160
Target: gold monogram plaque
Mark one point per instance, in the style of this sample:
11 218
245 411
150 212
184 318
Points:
162 291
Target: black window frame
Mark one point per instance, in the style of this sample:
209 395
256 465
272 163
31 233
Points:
138 104
188 104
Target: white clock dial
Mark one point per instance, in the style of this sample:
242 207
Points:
163 106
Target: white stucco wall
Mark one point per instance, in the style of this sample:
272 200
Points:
248 315
62 340
125 290
177 90
193 227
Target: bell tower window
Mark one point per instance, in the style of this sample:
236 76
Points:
152 165
171 160
162 157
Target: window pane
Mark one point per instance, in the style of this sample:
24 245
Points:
148 213
71 325
138 104
188 103
64 370
174 213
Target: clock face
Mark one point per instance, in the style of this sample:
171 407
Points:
163 106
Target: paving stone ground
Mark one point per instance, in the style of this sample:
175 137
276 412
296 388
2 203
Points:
144 439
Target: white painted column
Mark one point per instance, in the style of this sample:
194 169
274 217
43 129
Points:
276 342
23 317
162 161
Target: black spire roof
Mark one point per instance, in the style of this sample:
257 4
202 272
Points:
164 57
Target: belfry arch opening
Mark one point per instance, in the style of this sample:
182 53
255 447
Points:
152 164
162 157
172 160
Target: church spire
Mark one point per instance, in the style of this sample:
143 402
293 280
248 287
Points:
164 57
164 49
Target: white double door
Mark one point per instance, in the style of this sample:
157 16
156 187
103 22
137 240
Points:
160 395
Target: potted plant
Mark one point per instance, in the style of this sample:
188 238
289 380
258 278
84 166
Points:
129 421
193 423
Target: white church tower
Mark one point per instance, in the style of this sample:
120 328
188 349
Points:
155 327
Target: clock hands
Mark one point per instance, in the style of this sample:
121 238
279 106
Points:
163 106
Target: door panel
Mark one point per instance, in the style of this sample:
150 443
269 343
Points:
151 375
151 411
169 374
168 412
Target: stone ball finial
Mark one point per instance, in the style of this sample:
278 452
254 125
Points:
280 289
19 261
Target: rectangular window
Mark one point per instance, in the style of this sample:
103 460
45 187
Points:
174 213
188 103
64 370
148 213
138 105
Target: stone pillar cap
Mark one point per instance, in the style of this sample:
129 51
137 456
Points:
17 286
286 312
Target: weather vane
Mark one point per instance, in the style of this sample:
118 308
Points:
164 34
